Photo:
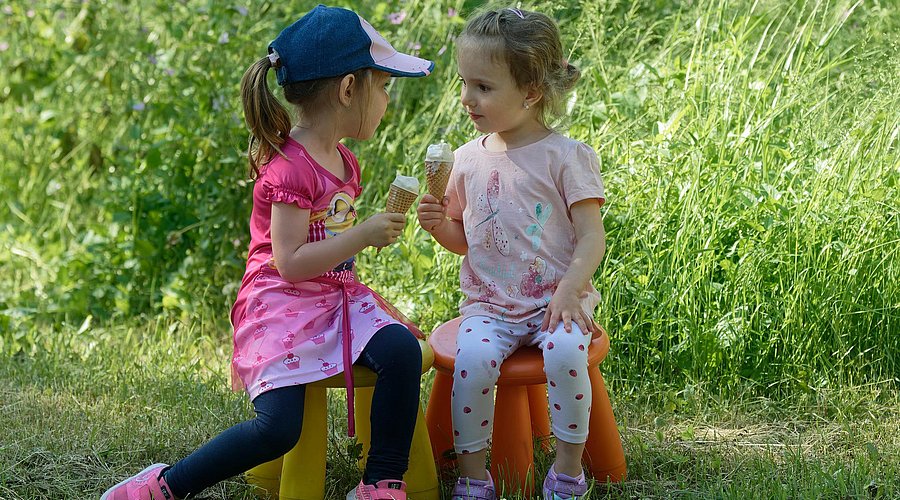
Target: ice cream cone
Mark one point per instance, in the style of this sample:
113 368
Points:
399 200
404 191
437 173
438 164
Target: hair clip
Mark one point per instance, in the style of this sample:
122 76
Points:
274 59
517 12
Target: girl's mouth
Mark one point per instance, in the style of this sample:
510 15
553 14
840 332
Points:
473 116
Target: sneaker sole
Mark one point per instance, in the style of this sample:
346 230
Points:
106 495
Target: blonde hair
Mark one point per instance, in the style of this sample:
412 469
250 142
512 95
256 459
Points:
529 43
268 120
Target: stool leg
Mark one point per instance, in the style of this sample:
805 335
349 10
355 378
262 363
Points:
421 477
603 452
303 471
512 449
266 478
439 421
540 415
362 410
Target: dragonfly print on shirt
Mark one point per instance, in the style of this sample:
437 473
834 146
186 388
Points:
536 230
488 204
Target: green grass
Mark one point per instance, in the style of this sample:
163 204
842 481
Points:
751 154
85 410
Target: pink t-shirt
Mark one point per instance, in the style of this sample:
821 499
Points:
301 181
514 206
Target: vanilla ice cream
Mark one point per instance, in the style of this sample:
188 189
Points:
410 184
439 152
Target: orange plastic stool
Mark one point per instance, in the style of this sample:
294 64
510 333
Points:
521 413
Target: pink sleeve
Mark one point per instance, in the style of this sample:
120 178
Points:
291 182
580 177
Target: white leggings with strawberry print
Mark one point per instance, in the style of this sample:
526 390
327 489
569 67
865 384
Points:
483 343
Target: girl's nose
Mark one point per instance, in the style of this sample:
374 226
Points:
466 99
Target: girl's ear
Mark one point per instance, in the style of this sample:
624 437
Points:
347 90
533 95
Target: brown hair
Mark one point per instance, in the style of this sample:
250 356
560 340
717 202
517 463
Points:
529 43
268 120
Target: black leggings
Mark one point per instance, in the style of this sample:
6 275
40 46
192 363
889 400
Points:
393 354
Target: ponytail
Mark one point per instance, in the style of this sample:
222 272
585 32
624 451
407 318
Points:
569 76
267 119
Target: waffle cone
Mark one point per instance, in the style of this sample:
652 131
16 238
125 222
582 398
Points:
437 173
399 200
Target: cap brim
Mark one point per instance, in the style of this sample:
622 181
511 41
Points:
401 64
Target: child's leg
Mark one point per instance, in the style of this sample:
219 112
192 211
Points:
394 355
483 343
274 431
569 391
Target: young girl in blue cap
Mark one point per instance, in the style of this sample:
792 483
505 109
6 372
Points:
300 314
524 208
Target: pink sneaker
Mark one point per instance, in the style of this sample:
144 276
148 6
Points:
562 487
389 489
474 489
145 485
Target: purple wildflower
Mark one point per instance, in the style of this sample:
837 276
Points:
224 38
397 17
139 106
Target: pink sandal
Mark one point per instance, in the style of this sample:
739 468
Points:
147 484
389 489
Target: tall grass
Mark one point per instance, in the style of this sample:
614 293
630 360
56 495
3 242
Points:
749 151
755 222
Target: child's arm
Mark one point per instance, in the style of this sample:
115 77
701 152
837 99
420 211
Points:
448 232
297 260
590 237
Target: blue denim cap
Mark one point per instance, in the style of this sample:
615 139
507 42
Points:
330 41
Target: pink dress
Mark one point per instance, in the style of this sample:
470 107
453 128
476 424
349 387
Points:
290 333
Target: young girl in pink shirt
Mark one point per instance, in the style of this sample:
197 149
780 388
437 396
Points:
301 315
523 207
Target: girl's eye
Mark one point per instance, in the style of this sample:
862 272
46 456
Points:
462 81
483 88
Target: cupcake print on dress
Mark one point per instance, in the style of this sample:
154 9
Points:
291 361
329 369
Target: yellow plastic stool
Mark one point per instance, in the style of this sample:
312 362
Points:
300 473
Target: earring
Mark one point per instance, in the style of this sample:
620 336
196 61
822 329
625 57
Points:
526 105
